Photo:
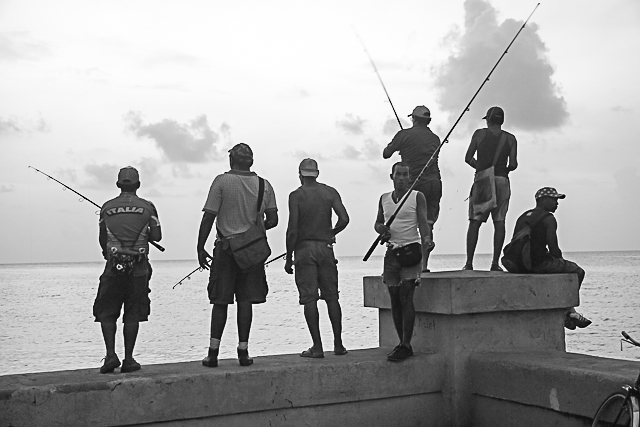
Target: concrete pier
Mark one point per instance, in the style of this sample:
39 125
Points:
489 350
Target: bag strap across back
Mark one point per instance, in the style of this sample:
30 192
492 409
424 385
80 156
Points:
260 198
503 138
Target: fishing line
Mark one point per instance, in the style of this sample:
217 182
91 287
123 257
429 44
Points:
445 140
82 197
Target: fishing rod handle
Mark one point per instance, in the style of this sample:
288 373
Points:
160 248
372 248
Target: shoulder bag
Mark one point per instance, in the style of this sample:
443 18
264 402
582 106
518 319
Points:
483 191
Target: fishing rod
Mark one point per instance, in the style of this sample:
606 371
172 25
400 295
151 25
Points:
188 276
445 140
160 248
379 78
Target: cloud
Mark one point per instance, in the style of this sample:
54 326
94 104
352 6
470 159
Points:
522 83
370 150
104 175
621 109
15 46
193 142
6 188
15 125
351 124
391 126
301 154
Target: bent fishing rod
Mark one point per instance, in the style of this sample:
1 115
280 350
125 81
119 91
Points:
188 276
445 140
160 248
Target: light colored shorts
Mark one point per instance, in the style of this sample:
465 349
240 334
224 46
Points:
503 194
315 270
393 273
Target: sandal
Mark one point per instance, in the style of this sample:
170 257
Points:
309 353
340 351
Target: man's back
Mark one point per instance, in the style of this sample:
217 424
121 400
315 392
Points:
315 204
127 218
487 145
416 146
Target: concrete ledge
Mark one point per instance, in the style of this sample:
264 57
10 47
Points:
274 389
466 292
538 386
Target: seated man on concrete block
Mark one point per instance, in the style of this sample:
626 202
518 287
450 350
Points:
403 259
546 256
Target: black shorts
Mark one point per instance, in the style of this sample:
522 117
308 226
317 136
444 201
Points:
432 191
227 280
115 291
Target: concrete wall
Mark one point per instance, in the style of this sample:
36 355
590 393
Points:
359 389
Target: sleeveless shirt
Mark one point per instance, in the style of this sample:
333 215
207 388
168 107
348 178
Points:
314 214
404 229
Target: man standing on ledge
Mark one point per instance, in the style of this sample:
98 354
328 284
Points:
401 280
416 146
232 200
486 142
546 256
311 236
127 224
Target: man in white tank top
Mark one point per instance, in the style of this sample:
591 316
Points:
410 226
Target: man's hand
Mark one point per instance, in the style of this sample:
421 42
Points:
203 259
288 266
428 244
383 231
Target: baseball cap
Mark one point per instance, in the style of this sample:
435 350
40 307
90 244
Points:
128 175
241 151
421 111
309 167
549 192
494 112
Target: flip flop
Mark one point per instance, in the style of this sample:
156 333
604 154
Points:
309 353
340 351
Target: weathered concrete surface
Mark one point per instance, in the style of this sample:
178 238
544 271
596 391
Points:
276 391
461 312
543 388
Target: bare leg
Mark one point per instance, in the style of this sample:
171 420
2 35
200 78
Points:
130 335
396 310
245 316
407 289
472 239
335 316
498 240
218 320
312 316
109 336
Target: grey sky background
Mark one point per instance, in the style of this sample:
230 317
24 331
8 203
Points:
169 87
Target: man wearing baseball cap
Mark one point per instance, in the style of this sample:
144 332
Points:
417 145
231 203
485 144
310 238
546 256
127 224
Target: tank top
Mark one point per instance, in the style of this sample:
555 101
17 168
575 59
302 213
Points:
404 229
487 150
314 215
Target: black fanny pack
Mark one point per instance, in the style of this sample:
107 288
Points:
122 264
408 255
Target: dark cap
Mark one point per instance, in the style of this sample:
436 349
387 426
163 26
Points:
128 175
494 112
309 167
241 152
549 192
421 111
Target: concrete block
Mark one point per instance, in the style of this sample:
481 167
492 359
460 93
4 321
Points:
465 292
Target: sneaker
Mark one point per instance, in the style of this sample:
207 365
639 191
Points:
110 363
211 361
568 323
496 267
400 353
243 357
579 320
468 267
130 365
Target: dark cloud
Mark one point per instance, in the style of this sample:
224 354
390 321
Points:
370 150
193 142
14 125
15 46
522 83
6 188
351 124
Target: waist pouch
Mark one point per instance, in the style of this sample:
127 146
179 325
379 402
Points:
122 264
408 255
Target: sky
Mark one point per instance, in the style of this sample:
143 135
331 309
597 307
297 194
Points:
88 87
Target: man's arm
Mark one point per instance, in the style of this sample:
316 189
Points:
471 151
206 225
552 237
292 232
271 219
155 232
392 147
341 212
380 226
423 222
513 155
102 237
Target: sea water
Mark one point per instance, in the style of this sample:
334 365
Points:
46 320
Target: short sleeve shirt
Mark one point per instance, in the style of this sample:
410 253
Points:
233 198
416 146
